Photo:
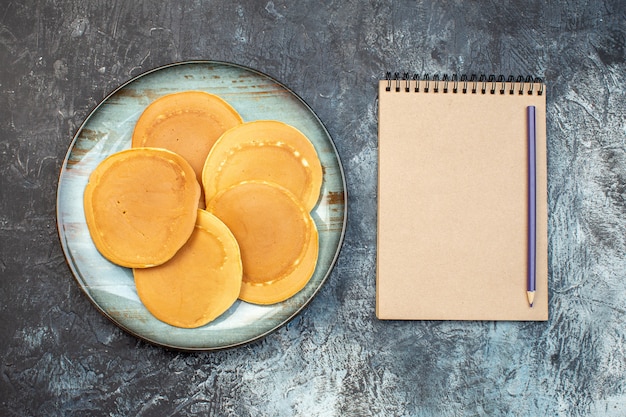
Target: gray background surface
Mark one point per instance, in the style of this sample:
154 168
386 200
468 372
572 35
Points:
60 357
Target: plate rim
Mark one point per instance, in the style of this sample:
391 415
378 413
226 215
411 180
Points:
67 254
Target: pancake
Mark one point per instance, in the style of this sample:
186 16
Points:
141 206
277 237
200 282
264 150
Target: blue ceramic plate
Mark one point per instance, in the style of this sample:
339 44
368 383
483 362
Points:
108 129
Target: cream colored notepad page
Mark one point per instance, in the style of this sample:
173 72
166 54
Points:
452 206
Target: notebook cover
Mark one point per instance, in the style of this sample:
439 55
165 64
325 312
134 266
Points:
452 206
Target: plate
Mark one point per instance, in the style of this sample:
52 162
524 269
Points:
108 129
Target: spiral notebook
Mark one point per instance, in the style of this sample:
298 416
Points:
453 198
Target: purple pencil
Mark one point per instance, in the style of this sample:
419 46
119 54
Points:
532 207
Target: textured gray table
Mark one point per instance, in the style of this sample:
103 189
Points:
60 357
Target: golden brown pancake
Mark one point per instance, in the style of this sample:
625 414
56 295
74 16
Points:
141 206
187 123
277 237
264 150
200 282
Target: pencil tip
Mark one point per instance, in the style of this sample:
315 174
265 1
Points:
531 297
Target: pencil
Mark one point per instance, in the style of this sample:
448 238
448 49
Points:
532 207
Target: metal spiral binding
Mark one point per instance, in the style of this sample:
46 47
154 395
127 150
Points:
475 83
